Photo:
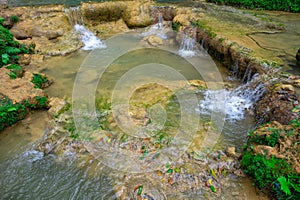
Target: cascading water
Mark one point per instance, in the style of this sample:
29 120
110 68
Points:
237 101
187 47
247 75
235 70
88 38
156 29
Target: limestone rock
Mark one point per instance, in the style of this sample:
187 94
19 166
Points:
231 151
287 87
57 106
18 34
154 40
137 14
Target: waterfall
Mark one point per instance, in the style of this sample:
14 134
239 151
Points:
157 29
235 70
247 75
236 101
160 22
74 15
88 38
187 47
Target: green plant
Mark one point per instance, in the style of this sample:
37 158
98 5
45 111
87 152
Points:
270 140
272 173
176 25
16 69
12 75
14 19
42 102
39 80
10 113
1 21
9 48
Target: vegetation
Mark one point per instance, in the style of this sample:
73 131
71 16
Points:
14 19
283 5
9 48
176 25
11 112
39 81
270 173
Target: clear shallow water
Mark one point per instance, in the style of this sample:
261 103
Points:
52 177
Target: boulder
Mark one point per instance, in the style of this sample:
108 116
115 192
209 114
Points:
18 34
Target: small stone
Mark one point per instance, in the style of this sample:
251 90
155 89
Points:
235 193
231 151
154 40
287 87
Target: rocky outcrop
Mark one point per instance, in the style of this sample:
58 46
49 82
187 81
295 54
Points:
19 89
278 105
285 143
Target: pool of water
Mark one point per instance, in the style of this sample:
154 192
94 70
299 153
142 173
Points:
27 173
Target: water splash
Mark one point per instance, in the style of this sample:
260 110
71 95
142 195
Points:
88 38
187 47
237 101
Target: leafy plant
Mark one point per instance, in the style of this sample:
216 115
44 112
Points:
9 48
1 21
39 80
9 112
272 173
269 140
176 25
14 19
12 75
16 69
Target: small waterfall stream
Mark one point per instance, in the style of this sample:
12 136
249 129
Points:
89 39
187 47
237 101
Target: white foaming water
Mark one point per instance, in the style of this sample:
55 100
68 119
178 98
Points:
236 101
89 40
187 47
156 29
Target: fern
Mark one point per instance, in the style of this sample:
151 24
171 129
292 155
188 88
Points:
12 50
